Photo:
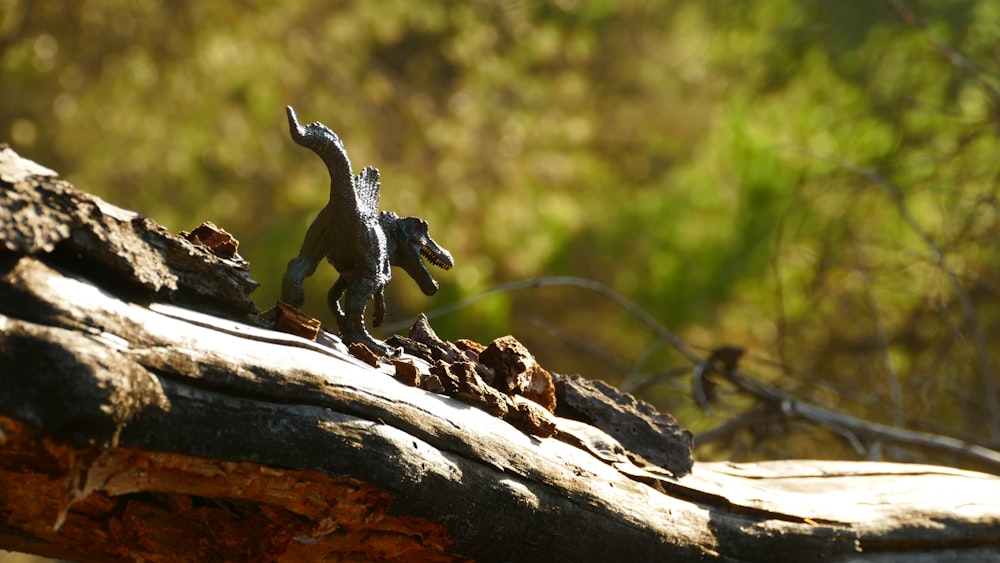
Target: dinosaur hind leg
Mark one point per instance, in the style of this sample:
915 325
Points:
359 291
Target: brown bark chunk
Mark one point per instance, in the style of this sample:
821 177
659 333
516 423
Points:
406 372
216 239
517 373
363 353
293 321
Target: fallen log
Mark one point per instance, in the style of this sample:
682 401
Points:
147 413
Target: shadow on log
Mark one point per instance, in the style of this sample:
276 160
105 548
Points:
146 414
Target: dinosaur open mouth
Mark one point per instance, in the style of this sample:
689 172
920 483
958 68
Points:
434 258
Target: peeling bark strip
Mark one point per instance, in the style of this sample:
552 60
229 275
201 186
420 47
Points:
133 429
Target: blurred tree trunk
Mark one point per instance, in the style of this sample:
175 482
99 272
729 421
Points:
133 427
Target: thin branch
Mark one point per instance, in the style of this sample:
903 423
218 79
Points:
578 343
657 378
871 402
631 382
950 53
774 400
753 417
566 281
873 430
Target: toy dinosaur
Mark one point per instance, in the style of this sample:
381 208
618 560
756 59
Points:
361 243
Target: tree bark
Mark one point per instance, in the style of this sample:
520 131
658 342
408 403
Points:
145 414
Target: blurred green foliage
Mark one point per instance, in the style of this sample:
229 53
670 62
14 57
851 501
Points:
794 177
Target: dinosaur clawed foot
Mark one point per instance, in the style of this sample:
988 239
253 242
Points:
353 331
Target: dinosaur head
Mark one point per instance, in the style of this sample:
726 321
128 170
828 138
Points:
408 240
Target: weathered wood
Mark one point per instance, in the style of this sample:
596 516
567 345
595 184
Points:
132 428
143 379
41 214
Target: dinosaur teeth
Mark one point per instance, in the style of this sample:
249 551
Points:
433 259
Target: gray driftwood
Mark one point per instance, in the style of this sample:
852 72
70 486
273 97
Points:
134 425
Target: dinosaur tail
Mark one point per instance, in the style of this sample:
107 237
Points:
327 145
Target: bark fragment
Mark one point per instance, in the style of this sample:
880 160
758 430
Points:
517 373
293 321
216 239
363 353
636 424
457 369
